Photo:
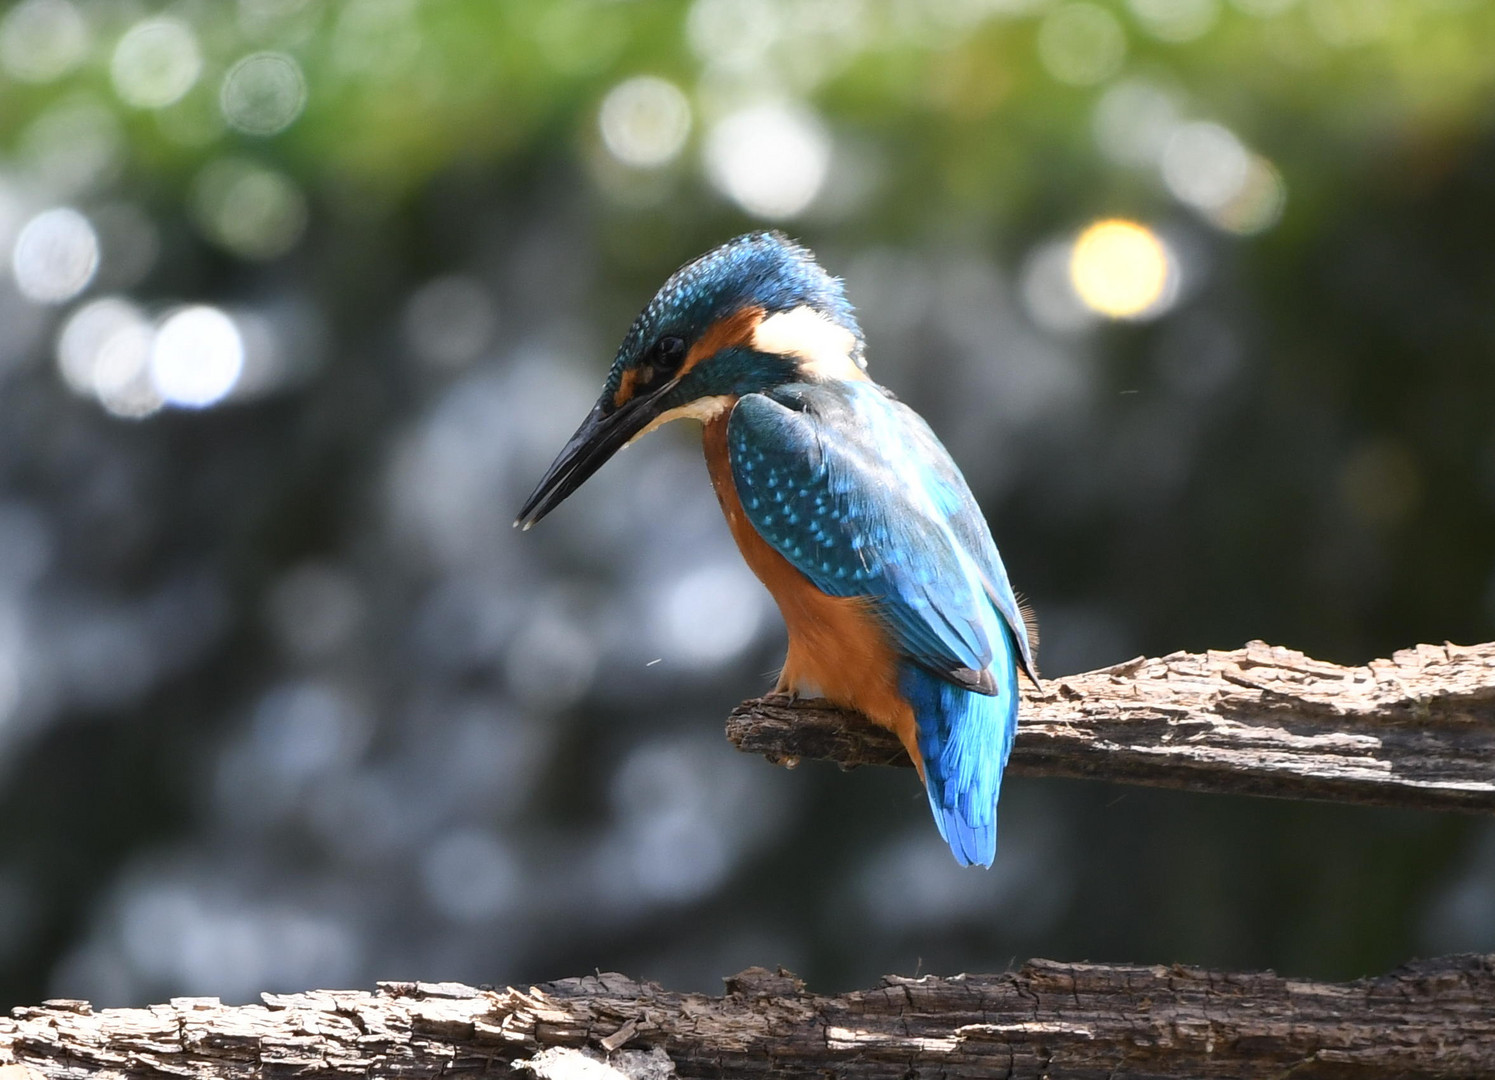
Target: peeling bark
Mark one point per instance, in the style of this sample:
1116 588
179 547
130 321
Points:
1430 1019
1415 731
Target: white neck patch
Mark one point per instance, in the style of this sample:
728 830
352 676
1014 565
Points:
822 348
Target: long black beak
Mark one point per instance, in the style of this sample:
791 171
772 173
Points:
601 435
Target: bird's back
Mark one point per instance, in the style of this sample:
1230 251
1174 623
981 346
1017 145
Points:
852 489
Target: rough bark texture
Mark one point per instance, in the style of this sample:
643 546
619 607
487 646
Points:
1431 1019
1417 730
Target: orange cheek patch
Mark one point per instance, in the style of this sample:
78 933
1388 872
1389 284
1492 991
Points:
735 329
625 388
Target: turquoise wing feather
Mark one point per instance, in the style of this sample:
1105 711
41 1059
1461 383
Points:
855 491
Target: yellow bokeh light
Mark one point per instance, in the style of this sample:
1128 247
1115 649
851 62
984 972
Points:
1121 269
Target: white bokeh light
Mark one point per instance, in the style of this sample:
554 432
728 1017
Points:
155 63
644 121
709 615
1133 120
769 159
104 352
55 256
1123 270
197 357
263 93
42 40
87 333
1205 166
121 374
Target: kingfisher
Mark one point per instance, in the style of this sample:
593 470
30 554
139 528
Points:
843 503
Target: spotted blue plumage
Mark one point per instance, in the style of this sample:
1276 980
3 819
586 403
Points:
854 490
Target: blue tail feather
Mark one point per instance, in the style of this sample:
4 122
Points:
965 739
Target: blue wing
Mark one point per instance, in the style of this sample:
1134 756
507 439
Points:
855 491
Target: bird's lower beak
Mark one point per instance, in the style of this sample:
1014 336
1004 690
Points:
600 436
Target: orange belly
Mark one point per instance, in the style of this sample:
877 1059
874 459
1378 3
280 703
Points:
837 648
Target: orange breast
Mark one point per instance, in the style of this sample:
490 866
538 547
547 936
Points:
837 648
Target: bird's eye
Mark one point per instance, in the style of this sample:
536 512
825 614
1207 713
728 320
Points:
669 352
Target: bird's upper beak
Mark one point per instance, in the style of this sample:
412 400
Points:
600 436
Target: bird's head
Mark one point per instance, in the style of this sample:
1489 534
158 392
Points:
752 314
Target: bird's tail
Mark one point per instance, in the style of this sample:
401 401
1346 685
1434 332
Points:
964 739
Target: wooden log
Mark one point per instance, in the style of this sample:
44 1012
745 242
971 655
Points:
1415 731
1429 1019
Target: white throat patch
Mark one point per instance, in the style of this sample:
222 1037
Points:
703 409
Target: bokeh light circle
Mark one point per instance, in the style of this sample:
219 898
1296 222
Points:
155 63
1133 120
699 632
42 40
87 333
197 357
644 121
121 373
1122 270
104 352
1205 165
769 159
263 93
55 256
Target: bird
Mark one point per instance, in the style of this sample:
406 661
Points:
842 501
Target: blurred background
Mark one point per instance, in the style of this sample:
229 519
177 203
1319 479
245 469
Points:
299 298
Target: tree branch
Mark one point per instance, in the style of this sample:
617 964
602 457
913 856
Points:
1416 731
1430 1019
